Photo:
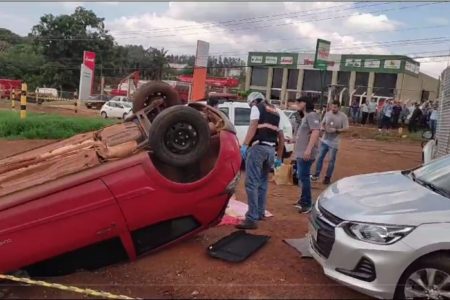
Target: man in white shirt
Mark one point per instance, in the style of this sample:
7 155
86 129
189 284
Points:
258 150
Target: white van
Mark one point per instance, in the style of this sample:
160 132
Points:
49 92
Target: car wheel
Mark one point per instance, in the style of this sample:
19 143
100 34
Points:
104 115
151 91
428 278
179 136
124 116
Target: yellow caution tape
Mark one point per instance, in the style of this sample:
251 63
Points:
88 292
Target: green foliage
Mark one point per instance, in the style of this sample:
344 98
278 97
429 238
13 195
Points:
45 126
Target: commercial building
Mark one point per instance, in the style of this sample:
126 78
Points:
286 76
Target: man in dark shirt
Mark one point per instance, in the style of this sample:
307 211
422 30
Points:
415 119
396 111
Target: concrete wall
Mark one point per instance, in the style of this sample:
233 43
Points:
410 87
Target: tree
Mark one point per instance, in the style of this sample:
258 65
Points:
62 40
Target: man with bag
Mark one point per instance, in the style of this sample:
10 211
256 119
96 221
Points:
258 150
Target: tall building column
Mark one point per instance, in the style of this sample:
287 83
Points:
301 75
334 77
283 94
399 86
370 86
269 83
248 77
351 83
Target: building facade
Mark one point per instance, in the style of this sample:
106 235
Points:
286 76
443 128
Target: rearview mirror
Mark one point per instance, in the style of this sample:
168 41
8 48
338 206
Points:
427 135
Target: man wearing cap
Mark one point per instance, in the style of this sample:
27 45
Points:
306 142
258 150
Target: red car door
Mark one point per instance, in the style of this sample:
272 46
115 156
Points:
81 220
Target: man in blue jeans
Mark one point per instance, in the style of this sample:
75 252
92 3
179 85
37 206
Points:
306 150
334 123
264 134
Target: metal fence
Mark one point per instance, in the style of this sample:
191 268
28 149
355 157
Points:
443 129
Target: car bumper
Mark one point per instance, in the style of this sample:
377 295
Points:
388 261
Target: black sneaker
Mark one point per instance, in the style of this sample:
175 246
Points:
327 181
247 224
305 210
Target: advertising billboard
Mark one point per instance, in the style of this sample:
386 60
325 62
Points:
86 75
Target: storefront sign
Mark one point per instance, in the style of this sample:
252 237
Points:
256 59
306 61
271 60
392 64
286 60
86 75
372 63
355 63
380 64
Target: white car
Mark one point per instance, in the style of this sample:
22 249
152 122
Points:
239 115
116 109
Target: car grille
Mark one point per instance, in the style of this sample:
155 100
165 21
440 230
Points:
324 222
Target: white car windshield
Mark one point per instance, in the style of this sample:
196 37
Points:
435 175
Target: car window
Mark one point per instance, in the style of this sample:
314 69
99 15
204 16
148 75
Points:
225 110
242 116
108 104
112 104
436 172
119 105
127 104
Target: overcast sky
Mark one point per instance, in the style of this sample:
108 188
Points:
234 28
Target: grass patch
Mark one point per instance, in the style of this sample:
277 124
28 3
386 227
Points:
46 126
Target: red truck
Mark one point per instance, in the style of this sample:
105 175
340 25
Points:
7 86
99 198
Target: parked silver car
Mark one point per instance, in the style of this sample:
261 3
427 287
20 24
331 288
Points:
387 234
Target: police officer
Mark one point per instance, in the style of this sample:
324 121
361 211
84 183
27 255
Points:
258 150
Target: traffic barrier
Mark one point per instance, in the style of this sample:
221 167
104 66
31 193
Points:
12 95
23 101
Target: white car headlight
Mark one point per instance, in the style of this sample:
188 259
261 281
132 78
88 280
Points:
377 234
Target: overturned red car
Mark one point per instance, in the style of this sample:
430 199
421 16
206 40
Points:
116 194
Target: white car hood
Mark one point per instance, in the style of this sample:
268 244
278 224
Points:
386 198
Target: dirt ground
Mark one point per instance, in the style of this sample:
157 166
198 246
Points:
276 271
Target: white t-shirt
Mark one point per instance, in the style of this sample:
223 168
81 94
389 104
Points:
254 115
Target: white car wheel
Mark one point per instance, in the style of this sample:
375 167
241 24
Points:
104 115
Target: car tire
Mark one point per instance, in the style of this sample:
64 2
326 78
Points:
190 125
150 91
124 116
104 115
439 262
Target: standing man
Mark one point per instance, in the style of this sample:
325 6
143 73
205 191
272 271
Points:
386 114
415 118
334 123
306 150
396 111
372 110
258 150
434 116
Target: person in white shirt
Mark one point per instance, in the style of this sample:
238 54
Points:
372 110
433 119
365 113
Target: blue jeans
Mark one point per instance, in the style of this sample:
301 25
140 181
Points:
260 159
304 180
433 125
324 148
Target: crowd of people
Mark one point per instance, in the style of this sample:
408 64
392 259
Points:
394 114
